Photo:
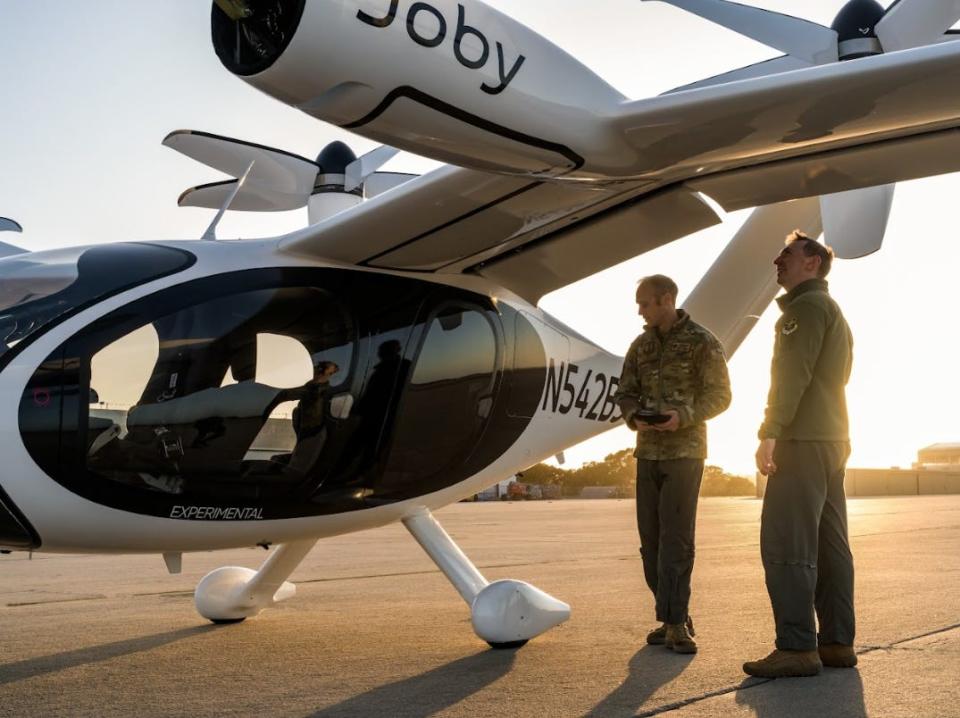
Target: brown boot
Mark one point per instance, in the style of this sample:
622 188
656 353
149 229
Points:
678 638
785 664
658 636
837 655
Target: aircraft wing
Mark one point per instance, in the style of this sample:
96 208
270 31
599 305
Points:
534 237
458 220
755 142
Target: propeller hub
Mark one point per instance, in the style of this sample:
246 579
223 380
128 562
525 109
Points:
855 26
334 160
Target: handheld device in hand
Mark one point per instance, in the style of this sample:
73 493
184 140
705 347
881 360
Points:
651 417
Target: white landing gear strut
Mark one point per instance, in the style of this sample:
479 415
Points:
233 593
506 614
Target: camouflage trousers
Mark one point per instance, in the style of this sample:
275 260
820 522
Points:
803 543
667 493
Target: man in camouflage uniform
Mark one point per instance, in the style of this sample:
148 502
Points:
674 379
804 445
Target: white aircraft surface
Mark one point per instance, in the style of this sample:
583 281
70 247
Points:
390 358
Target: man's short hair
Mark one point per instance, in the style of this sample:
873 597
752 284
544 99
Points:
660 284
813 248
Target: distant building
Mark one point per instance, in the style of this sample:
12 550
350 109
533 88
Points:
495 492
936 471
941 457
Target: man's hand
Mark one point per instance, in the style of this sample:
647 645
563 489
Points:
672 424
764 457
637 425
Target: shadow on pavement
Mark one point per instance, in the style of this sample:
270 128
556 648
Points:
429 693
13 672
837 692
650 668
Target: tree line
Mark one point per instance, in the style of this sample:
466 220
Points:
619 470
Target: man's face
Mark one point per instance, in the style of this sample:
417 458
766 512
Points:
652 308
793 266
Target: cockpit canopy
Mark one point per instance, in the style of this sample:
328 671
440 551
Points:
281 392
38 289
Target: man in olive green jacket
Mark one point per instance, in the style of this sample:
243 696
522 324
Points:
804 445
674 378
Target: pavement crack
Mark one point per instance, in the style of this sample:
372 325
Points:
906 531
44 602
677 705
934 632
754 682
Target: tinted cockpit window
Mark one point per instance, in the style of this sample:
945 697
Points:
39 288
239 396
448 400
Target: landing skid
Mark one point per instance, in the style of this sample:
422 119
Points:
232 593
505 614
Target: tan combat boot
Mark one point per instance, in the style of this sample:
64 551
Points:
837 655
678 638
658 636
785 664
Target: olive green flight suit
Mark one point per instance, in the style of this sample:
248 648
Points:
683 370
803 529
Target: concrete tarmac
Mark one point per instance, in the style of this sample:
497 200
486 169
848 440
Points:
376 630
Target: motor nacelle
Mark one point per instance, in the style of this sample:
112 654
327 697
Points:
454 80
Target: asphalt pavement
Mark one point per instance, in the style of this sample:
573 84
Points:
376 630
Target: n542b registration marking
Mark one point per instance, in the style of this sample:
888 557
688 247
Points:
590 395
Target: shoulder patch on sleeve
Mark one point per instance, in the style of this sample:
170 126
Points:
789 327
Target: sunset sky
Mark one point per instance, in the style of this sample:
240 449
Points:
90 90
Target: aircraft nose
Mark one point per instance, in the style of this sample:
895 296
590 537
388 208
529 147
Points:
14 533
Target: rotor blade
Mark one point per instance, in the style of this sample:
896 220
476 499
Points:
803 39
8 225
855 222
736 290
281 171
250 198
364 166
913 23
380 182
784 63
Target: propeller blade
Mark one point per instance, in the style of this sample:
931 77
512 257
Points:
250 198
784 63
8 225
742 282
380 182
855 222
802 39
913 23
284 172
362 167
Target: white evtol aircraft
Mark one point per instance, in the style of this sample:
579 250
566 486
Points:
390 358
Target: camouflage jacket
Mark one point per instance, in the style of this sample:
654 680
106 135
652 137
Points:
684 370
812 357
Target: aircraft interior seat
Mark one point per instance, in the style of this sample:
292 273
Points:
208 432
244 400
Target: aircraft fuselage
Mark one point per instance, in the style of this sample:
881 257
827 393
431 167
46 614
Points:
198 395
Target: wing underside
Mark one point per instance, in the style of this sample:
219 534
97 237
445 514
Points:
760 141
